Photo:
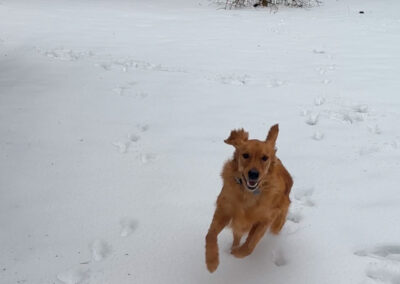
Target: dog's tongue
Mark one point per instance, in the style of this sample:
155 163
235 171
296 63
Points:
252 183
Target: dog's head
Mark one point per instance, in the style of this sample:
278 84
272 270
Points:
253 156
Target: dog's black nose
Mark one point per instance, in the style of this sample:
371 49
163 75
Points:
253 174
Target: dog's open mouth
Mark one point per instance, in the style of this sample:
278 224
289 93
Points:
251 184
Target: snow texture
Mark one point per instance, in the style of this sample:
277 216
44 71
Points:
112 121
100 250
74 276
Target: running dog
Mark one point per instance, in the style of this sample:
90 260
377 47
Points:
254 196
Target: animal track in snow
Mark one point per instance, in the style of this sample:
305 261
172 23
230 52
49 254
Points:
305 112
141 95
124 145
66 54
362 108
124 64
384 272
318 51
374 129
319 101
368 150
124 90
312 119
147 157
128 64
275 83
143 127
233 79
128 225
391 252
350 117
303 196
279 258
79 275
352 114
318 136
120 90
394 144
324 69
302 199
294 218
294 215
349 114
100 250
134 137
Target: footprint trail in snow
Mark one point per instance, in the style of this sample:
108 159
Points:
386 267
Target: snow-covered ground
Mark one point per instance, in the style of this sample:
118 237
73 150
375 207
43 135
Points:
112 120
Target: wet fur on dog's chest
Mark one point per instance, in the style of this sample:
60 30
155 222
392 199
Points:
251 209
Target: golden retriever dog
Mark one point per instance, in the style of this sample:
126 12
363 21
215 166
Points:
254 196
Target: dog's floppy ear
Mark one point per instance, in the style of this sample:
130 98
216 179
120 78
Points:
237 137
273 134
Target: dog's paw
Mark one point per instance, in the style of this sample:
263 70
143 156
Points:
241 252
212 263
212 259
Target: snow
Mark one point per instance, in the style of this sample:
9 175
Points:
112 121
100 250
74 276
128 226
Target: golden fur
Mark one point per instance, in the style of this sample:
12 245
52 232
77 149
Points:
238 206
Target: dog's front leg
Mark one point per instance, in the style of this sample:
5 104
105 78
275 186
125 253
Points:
220 220
255 235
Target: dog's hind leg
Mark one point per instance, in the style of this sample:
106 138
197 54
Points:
278 223
236 239
280 219
256 233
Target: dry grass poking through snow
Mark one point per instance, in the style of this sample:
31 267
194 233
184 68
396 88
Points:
230 4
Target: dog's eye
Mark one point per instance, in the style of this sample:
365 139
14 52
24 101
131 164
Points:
264 158
246 156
